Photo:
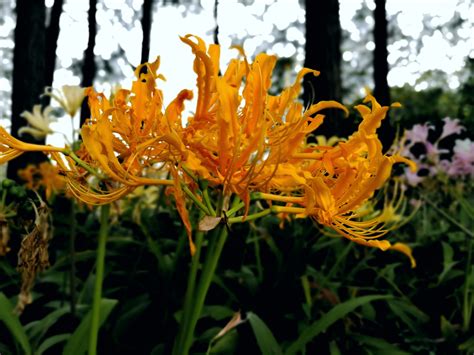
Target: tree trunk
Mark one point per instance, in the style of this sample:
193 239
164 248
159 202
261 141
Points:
216 24
28 66
382 91
146 27
323 53
88 66
52 34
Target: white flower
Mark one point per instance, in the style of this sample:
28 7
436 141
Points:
70 97
39 122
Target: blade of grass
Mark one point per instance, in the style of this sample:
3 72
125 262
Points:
78 343
265 339
335 314
13 324
449 218
51 341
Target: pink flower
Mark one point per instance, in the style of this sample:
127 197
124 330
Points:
464 149
433 152
451 126
415 203
412 178
463 158
418 133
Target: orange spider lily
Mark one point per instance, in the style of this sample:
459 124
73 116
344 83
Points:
44 175
240 138
341 178
10 147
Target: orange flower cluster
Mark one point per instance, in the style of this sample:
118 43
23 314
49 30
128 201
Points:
241 140
45 176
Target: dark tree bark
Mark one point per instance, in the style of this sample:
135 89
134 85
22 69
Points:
382 91
52 34
88 66
216 28
146 27
323 53
28 66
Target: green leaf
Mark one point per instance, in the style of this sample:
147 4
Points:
379 344
13 324
129 313
369 312
335 314
468 345
51 341
225 344
78 257
217 312
79 341
37 329
467 206
158 350
334 349
408 313
447 329
8 270
265 339
5 350
448 262
448 253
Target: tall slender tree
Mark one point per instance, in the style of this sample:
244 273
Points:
146 28
382 90
323 53
88 66
216 24
52 34
28 64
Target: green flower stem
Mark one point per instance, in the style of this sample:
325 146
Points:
193 197
82 163
306 291
250 217
207 200
468 296
235 208
100 262
4 197
189 296
190 174
72 253
212 259
258 260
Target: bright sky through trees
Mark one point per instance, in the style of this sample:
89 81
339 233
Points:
259 24
239 21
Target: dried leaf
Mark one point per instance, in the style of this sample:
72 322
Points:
4 236
208 223
234 322
226 202
33 256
